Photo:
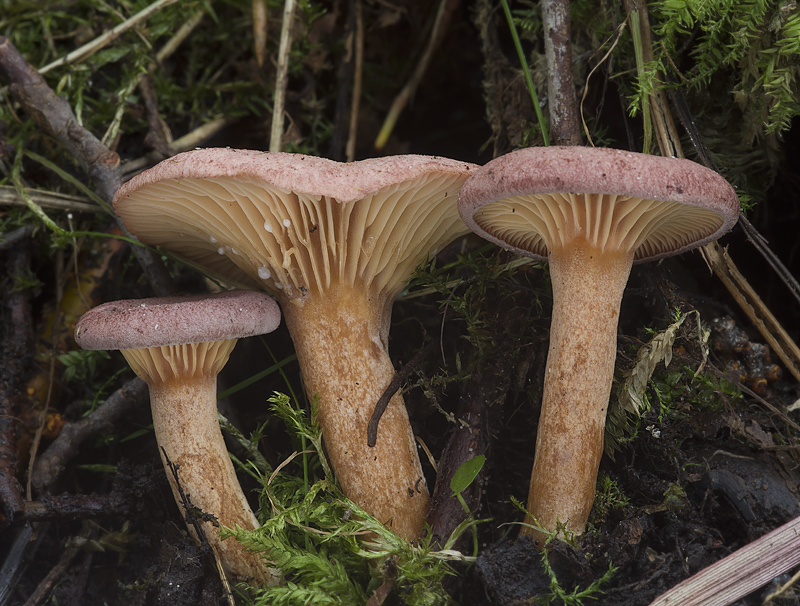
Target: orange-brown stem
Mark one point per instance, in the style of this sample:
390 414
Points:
341 346
587 291
186 427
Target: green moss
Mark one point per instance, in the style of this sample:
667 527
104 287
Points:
329 550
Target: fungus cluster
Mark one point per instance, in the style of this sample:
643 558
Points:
591 213
334 243
178 346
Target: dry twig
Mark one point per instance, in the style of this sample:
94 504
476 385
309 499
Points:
564 123
54 116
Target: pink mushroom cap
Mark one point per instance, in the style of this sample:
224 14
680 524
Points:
541 171
164 321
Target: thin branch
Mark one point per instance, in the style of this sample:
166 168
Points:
17 353
55 117
397 382
564 123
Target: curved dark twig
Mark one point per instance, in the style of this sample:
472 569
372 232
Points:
397 382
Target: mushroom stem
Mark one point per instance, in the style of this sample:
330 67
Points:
588 284
186 428
343 353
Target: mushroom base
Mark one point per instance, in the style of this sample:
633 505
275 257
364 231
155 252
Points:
587 292
187 431
341 347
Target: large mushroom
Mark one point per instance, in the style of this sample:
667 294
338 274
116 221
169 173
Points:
334 243
591 213
178 346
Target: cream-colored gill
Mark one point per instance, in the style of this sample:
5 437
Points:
173 362
422 220
538 223
283 239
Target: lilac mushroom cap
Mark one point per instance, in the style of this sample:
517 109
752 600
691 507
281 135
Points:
163 321
534 199
178 345
591 213
334 243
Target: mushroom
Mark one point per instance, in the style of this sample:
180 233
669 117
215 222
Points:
178 345
590 213
334 243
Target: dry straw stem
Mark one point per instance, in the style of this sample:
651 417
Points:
740 573
98 43
443 14
358 77
281 78
759 314
660 116
48 199
783 589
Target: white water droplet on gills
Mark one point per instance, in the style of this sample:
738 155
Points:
264 273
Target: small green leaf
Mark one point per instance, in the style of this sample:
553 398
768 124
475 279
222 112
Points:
466 474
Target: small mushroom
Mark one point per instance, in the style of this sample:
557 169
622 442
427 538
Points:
178 345
334 243
591 213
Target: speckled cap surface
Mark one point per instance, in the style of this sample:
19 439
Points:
345 181
541 172
162 321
